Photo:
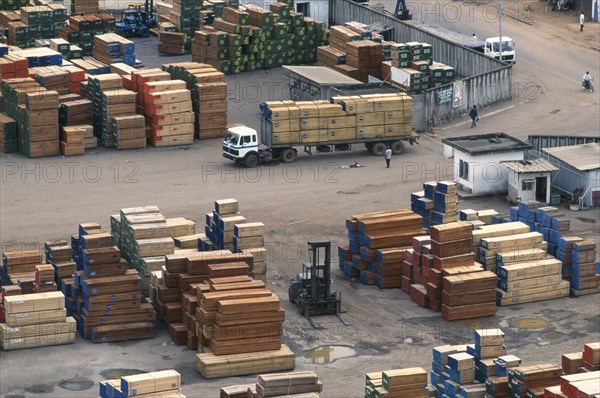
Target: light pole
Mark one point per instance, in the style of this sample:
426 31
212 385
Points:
500 44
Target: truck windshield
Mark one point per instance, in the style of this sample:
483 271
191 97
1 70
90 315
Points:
506 46
232 138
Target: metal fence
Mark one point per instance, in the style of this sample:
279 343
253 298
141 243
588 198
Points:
483 81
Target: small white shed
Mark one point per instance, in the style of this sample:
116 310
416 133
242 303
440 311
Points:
478 167
529 180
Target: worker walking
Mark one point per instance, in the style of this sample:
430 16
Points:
581 21
388 156
474 116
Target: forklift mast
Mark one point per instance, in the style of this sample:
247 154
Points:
318 270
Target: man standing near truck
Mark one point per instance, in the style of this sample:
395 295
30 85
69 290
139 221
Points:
388 156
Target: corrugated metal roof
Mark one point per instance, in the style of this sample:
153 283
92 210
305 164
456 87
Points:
582 157
530 166
322 75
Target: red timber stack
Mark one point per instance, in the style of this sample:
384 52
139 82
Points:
241 324
377 246
466 291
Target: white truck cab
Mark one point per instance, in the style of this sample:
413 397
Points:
241 143
492 49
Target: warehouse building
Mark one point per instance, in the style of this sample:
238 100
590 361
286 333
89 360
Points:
578 176
478 161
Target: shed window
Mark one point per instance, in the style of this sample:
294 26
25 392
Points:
463 170
527 185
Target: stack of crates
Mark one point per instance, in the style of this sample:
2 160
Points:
37 22
440 74
11 5
257 38
83 28
185 15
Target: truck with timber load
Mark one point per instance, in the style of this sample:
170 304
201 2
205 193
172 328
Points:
377 121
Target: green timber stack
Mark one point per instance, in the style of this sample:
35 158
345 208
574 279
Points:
37 22
257 38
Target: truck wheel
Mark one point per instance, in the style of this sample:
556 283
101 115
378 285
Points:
288 155
398 147
251 160
378 148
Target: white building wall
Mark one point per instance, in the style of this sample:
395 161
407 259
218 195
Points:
486 172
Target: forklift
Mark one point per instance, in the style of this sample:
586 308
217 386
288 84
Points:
401 11
137 20
311 289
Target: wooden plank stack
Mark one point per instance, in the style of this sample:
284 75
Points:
84 7
13 66
496 230
39 135
532 377
242 324
36 320
37 22
437 203
18 268
107 87
576 385
369 234
342 118
129 131
286 384
9 138
220 224
587 360
160 384
256 38
82 29
401 383
168 105
209 96
585 277
112 48
107 293
528 281
59 254
7 290
172 43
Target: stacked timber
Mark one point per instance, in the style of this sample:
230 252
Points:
257 38
493 240
489 352
109 304
36 320
248 238
528 281
7 290
286 384
172 43
129 131
75 118
18 268
112 48
39 135
467 295
84 7
95 92
372 232
168 105
59 254
220 225
533 379
564 253
72 140
587 360
417 268
9 138
44 279
437 203
577 385
341 119
585 277
161 384
461 368
401 383
139 79
439 374
13 66
242 324
209 96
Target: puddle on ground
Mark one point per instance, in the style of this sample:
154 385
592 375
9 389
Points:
328 354
76 384
41 388
552 335
118 373
530 324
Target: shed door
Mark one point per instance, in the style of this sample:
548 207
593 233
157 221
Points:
596 198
